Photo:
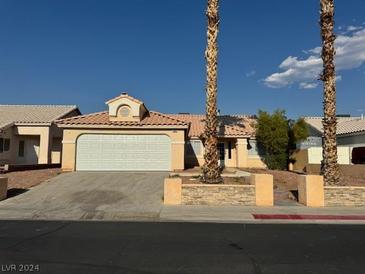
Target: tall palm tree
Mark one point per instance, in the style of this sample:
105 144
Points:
211 170
331 172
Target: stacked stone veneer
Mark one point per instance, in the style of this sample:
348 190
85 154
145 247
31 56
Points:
193 194
344 196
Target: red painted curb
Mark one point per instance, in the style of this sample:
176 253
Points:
307 217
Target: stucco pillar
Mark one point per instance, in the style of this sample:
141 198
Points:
241 148
45 145
311 190
178 155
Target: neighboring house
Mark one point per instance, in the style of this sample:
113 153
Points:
28 134
350 142
130 137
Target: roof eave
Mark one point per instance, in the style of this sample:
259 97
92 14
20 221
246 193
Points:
123 127
25 124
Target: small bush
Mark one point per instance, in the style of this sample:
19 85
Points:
277 137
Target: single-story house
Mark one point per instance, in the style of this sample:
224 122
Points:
129 137
29 135
350 142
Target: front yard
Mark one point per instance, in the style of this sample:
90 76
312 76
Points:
29 178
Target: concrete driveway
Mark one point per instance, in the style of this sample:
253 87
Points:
90 195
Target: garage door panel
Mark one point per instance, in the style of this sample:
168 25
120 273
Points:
123 152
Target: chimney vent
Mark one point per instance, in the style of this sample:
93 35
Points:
124 93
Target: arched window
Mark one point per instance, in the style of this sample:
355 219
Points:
124 111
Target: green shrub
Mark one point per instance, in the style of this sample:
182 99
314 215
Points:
277 135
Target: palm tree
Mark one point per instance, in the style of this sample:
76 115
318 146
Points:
331 172
211 170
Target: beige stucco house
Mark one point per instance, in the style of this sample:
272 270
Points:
28 134
130 137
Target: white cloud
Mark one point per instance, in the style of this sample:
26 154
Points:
304 85
350 53
353 28
251 73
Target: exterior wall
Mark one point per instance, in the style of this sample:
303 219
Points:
242 153
31 150
137 110
255 162
344 196
192 159
218 194
352 141
6 157
239 155
313 155
198 160
70 141
301 159
56 151
45 140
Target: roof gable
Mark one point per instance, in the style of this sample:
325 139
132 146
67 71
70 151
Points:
126 108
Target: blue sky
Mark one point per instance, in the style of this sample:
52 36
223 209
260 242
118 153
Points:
86 52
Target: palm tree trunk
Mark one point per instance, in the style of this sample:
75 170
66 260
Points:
211 170
331 171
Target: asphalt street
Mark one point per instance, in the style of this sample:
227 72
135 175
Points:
143 247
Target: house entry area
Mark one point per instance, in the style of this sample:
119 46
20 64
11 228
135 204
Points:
27 150
123 152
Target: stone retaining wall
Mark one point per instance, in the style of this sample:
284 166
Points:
198 194
312 192
344 196
260 192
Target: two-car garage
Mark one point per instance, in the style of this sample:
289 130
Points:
123 152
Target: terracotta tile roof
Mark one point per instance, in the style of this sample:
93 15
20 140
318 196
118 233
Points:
230 125
102 119
32 114
345 125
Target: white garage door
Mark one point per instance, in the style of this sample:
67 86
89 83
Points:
123 152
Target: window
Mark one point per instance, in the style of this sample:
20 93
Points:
253 149
125 111
194 147
21 148
229 150
221 151
4 145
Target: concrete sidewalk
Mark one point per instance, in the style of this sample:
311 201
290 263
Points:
244 214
